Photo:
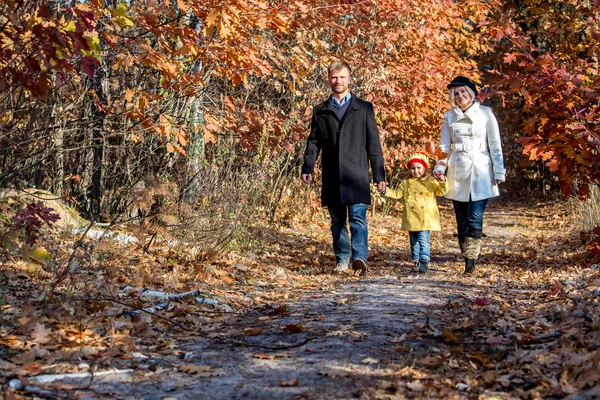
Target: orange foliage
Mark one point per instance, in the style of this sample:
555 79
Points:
271 58
549 74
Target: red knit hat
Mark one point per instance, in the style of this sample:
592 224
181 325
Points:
419 157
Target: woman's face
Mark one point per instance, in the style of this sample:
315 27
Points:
462 97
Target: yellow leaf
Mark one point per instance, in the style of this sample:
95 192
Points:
129 95
124 21
37 253
170 148
121 9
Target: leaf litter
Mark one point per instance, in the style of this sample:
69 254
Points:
525 325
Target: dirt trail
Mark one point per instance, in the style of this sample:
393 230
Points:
377 336
353 331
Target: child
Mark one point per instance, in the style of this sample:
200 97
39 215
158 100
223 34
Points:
420 214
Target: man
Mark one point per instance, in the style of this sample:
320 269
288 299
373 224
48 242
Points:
343 127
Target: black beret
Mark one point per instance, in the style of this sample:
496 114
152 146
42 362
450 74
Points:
463 81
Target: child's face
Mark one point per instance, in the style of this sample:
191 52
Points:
416 170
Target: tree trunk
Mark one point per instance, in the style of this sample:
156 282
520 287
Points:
59 159
195 151
98 115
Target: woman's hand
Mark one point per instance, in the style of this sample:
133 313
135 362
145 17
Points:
498 181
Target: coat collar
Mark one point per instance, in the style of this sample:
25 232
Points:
355 103
470 113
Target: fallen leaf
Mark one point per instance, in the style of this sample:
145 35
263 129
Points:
415 386
449 336
5 365
495 340
340 333
335 373
482 301
431 361
40 334
253 332
279 310
370 360
398 339
288 383
462 325
205 371
293 328
263 356
273 356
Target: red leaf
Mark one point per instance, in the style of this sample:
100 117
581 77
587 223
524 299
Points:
89 64
482 301
510 57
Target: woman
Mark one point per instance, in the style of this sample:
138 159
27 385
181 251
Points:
475 166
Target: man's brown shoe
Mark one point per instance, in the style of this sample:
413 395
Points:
359 267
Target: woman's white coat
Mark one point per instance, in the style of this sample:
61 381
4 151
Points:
472 139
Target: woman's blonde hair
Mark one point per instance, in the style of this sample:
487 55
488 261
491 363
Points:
451 95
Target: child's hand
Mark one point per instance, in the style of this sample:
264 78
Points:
440 177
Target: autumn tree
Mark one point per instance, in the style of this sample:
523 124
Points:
148 88
544 68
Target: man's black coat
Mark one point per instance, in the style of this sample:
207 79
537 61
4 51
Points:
347 147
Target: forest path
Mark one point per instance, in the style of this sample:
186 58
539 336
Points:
391 334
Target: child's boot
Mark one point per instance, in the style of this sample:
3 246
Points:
424 265
416 266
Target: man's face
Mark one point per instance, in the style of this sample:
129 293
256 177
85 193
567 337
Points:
339 81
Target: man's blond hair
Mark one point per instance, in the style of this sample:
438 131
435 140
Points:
338 65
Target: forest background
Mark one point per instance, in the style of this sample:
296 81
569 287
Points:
189 118
165 137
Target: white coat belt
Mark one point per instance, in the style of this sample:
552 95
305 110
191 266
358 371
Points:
468 146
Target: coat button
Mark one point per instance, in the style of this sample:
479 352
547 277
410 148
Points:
470 130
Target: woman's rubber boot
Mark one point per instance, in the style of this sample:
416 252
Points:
472 250
469 265
462 248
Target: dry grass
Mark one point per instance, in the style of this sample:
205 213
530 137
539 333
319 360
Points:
589 210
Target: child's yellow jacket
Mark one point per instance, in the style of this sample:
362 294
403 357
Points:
420 207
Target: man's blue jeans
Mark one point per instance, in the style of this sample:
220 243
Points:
420 247
469 218
356 215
